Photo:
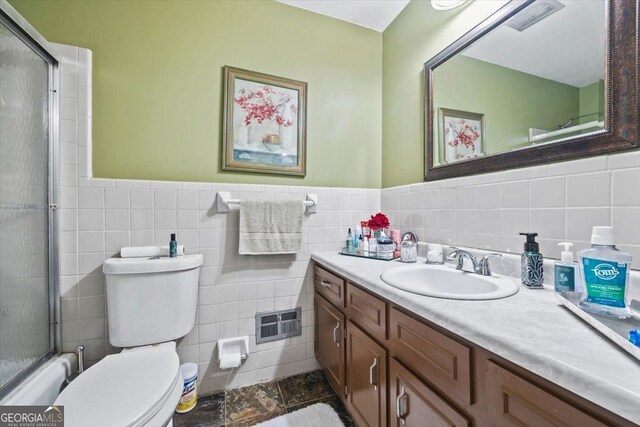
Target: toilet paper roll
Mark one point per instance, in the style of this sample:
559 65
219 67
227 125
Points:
231 360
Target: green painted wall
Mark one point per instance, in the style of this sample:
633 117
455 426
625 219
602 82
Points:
416 35
511 101
592 101
157 83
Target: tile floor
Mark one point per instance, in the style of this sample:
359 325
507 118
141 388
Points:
254 404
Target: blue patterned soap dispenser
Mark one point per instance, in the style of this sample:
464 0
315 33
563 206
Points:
532 263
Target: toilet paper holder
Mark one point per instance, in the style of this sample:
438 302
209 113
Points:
233 346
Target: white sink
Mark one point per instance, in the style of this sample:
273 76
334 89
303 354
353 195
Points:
446 282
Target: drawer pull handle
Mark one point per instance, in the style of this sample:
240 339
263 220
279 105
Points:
326 283
375 363
401 412
335 338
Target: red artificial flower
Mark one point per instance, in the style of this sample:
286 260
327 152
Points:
378 221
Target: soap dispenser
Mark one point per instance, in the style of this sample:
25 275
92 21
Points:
532 263
605 274
566 277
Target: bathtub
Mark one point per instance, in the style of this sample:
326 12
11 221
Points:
43 386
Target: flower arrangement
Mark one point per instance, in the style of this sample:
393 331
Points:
378 221
265 105
462 134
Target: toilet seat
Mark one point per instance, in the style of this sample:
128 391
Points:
126 389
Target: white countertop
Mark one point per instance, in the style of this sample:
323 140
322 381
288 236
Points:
530 329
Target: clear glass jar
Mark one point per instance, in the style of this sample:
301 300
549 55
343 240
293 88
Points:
408 251
386 247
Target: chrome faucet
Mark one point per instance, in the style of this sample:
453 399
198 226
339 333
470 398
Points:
479 267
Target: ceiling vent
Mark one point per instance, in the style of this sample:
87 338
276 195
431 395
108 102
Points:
533 14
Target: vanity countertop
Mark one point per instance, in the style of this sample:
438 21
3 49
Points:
530 329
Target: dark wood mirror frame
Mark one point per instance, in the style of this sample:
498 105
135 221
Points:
621 88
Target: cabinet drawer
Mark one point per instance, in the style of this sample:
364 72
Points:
438 359
513 401
329 286
367 311
413 403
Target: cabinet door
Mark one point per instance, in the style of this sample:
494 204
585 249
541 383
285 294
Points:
513 401
330 342
366 379
414 404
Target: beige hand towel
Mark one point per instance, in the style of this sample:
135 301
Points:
270 227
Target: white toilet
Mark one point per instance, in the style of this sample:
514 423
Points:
151 302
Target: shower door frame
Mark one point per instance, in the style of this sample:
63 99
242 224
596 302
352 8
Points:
28 35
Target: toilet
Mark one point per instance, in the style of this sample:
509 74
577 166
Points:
151 302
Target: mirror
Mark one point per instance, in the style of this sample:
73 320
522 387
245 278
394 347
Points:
529 85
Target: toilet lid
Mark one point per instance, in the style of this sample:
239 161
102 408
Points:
125 389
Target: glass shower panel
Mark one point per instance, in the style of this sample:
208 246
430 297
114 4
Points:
25 333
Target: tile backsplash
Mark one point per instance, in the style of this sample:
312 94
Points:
561 202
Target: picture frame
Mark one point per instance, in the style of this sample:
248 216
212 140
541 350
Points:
264 123
460 134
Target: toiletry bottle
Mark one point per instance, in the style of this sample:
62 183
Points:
349 241
356 236
605 274
173 246
565 270
365 249
532 262
360 245
373 245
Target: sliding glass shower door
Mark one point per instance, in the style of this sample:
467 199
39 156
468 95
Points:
26 304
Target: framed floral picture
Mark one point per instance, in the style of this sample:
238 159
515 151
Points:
264 127
461 135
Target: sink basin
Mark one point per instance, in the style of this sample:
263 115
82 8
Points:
446 282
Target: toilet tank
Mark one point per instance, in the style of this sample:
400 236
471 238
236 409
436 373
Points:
151 300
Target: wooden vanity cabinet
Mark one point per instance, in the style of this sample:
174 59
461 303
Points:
393 368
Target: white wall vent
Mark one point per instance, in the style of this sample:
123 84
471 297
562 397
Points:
277 325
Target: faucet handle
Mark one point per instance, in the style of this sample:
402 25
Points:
483 266
487 256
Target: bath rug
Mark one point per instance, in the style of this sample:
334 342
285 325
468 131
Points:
318 415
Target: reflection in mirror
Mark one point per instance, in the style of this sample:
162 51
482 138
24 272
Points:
539 77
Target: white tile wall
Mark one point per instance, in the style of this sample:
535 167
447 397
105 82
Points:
232 288
559 201
99 216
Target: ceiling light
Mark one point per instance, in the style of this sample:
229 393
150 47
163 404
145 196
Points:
447 4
